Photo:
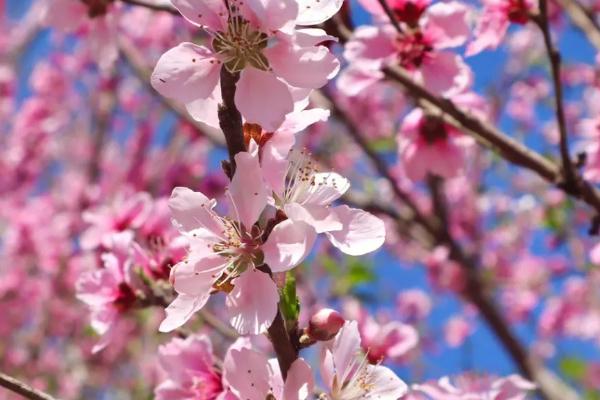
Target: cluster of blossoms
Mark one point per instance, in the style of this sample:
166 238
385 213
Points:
114 210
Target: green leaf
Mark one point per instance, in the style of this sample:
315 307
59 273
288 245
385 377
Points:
573 368
592 395
290 306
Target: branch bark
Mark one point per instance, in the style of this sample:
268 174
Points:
166 7
230 118
570 174
23 389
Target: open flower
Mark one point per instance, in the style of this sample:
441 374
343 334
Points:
109 291
225 252
348 374
257 39
471 386
189 366
252 376
494 21
306 196
421 48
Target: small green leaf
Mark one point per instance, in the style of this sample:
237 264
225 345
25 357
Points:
290 306
573 368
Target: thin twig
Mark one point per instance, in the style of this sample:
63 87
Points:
583 20
541 20
153 6
390 15
16 386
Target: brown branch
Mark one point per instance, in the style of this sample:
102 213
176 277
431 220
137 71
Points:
230 119
390 15
541 20
153 6
286 352
23 389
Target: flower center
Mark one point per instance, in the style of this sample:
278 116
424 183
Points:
413 49
241 45
517 11
301 178
432 129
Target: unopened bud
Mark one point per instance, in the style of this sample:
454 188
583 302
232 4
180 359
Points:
325 324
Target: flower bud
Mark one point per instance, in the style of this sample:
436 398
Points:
324 324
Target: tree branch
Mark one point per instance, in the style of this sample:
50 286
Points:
230 118
541 20
16 386
583 20
166 7
390 15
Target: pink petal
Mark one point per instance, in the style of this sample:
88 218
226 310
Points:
195 276
313 12
186 73
362 232
180 311
321 218
370 44
489 33
304 67
252 303
445 73
273 15
247 373
299 384
329 187
386 385
205 110
208 13
191 210
346 346
247 189
267 111
447 23
288 245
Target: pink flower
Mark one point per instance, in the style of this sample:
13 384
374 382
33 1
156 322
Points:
306 196
127 211
189 366
225 252
471 386
252 376
428 145
110 291
413 305
349 376
494 21
420 48
390 340
456 331
258 39
97 22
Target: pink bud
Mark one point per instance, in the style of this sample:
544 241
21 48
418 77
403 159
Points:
325 324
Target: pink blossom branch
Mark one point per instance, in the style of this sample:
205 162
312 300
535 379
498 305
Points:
23 389
550 386
230 121
570 174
